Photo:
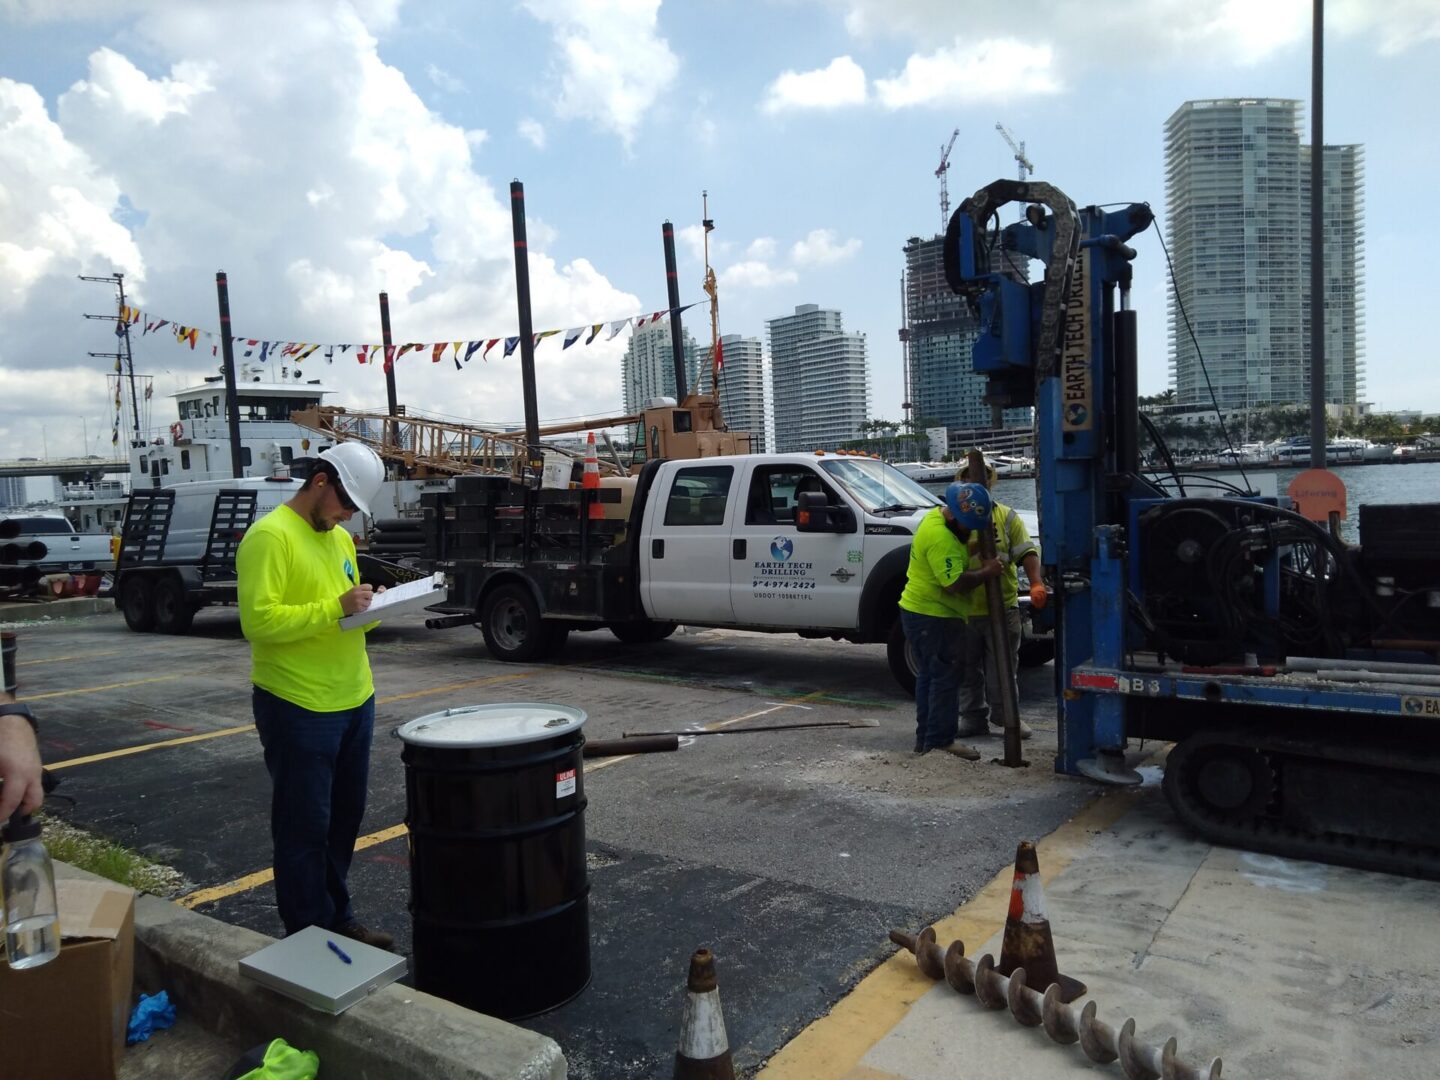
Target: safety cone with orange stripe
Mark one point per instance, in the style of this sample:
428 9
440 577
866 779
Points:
704 1052
591 480
1028 943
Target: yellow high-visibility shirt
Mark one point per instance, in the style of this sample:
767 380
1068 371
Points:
937 558
291 578
1012 544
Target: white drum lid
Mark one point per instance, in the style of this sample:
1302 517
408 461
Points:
505 724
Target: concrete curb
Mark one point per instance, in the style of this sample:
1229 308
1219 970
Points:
57 609
394 1034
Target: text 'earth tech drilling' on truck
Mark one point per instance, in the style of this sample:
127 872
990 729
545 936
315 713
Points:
1297 674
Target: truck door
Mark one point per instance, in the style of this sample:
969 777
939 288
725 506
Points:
781 577
684 568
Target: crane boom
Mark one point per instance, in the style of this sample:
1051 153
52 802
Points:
940 171
1018 149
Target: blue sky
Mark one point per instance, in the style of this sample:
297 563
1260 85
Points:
323 150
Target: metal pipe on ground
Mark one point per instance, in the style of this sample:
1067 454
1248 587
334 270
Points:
762 727
1064 1023
1325 663
1000 654
650 744
1386 678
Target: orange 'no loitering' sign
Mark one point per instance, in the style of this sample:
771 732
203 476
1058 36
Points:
1316 493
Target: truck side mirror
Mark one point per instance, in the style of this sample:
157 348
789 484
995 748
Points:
813 513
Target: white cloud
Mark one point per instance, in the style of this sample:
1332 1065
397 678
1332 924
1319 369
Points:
314 185
533 132
613 65
1396 25
55 205
443 80
840 83
992 70
819 248
754 274
762 247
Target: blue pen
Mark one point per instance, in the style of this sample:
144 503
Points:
338 951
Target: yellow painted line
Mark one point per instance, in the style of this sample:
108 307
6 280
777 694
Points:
97 689
243 728
264 877
468 684
159 745
76 656
831 1047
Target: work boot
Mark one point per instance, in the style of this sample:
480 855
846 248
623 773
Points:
961 750
1025 731
356 931
972 729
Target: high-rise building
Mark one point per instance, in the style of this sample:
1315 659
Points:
648 366
819 380
1237 186
12 491
742 387
944 389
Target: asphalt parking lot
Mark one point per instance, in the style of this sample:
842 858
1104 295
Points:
790 854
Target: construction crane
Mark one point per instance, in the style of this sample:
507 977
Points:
940 171
1023 165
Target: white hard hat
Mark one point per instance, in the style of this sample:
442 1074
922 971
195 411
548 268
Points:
360 470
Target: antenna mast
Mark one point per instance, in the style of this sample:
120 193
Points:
122 331
940 171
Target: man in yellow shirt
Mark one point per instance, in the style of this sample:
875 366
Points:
940 575
314 700
979 681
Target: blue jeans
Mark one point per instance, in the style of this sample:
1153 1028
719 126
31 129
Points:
936 644
319 764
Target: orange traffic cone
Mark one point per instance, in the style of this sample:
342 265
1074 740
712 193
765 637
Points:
1028 943
591 480
704 1052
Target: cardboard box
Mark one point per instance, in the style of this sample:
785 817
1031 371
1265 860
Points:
66 1020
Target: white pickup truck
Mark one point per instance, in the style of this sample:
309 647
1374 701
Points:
813 544
50 543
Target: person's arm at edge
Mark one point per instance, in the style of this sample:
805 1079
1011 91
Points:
19 764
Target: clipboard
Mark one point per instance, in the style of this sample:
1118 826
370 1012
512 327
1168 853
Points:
399 600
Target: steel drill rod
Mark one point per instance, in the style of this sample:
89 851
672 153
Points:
1064 1024
1000 654
1325 663
650 744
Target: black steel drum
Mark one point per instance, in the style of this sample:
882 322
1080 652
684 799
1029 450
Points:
499 892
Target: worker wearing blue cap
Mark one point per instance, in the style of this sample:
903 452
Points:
933 609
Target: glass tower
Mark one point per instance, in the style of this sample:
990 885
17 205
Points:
1237 186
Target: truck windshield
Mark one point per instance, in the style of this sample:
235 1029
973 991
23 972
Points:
876 486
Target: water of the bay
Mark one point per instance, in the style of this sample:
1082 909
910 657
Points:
1416 482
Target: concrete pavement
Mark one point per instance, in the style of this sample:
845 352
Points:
1281 968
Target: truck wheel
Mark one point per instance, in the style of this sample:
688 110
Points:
643 633
514 632
1036 652
902 660
134 601
172 610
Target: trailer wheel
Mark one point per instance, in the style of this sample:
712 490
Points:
514 632
135 603
1036 652
643 633
901 657
172 611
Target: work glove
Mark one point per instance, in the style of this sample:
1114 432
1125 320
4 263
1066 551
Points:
1038 596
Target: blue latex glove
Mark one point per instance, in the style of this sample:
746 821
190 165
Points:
153 1013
